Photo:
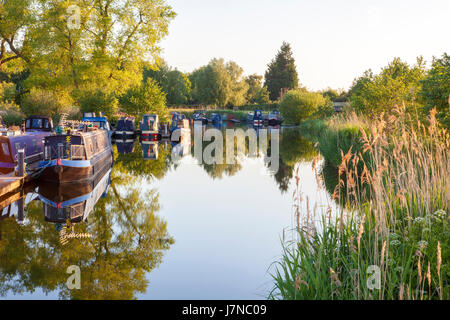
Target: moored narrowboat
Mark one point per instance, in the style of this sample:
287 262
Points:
125 129
99 122
255 118
216 118
150 128
36 129
275 118
78 156
200 115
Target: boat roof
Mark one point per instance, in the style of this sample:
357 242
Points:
38 117
95 119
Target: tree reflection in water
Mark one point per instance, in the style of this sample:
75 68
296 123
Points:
128 240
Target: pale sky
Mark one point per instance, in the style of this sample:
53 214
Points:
333 41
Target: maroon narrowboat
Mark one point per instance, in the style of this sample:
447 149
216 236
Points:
36 129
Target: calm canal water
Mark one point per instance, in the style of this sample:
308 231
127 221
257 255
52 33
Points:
158 228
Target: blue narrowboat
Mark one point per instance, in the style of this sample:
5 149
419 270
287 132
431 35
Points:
200 115
125 129
255 118
36 129
125 146
99 122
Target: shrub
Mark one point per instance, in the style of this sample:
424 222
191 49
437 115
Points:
145 98
98 100
7 91
298 105
46 103
11 114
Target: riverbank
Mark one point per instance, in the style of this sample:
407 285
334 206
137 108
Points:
393 246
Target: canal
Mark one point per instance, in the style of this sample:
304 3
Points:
162 225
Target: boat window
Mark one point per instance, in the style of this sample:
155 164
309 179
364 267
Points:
35 145
17 145
5 149
28 124
46 124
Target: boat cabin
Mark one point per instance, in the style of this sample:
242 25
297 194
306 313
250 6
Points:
98 122
38 123
150 124
36 129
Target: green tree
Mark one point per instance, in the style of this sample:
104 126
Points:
436 89
262 96
297 105
16 17
98 100
104 50
145 98
219 84
211 84
395 84
330 93
281 72
46 103
254 83
174 83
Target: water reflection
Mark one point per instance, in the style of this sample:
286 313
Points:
125 146
114 231
62 204
126 240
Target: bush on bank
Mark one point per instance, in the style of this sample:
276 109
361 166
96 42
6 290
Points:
298 105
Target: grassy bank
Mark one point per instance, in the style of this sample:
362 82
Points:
401 234
335 136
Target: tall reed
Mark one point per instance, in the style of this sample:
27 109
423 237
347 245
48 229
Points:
392 243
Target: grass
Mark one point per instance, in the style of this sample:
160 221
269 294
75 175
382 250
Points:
402 229
336 136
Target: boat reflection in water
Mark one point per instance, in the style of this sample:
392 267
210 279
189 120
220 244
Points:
125 146
64 205
150 149
13 204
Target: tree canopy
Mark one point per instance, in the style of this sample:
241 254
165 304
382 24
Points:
436 88
396 83
219 83
281 72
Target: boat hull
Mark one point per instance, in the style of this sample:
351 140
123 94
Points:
63 171
124 135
